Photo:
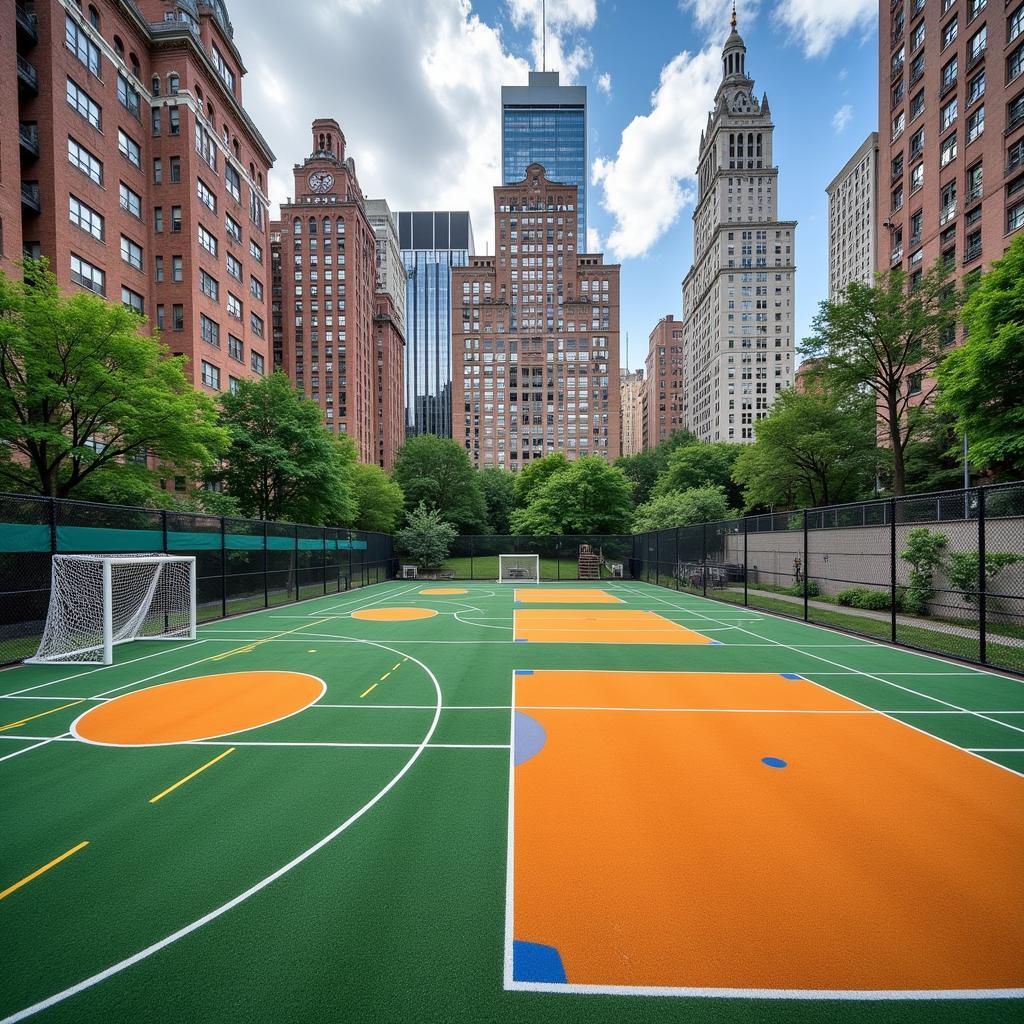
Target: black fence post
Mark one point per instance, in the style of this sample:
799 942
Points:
163 528
746 573
982 588
325 559
704 557
558 558
295 553
892 569
223 571
350 542
266 567
53 526
807 609
471 568
657 557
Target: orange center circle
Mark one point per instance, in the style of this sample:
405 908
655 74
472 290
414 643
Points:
394 614
438 591
199 708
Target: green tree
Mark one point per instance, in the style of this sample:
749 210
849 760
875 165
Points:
935 457
82 391
426 537
537 473
644 468
680 508
282 463
924 555
814 448
701 465
887 339
379 500
981 383
964 565
499 497
588 497
437 471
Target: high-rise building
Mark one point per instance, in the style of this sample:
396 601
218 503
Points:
535 343
390 269
665 381
142 178
337 331
852 224
431 243
631 404
739 295
545 123
951 122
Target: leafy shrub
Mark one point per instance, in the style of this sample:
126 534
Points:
868 599
963 570
924 555
426 537
797 589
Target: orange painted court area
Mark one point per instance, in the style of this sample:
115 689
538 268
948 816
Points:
394 614
658 849
554 595
600 626
198 708
439 591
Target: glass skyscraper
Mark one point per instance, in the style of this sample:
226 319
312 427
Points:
432 242
546 123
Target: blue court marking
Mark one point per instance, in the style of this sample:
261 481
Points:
533 961
790 675
530 737
774 762
524 671
521 640
715 643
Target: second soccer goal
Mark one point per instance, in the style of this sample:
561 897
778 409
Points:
519 568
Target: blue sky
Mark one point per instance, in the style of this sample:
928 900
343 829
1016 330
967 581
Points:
415 85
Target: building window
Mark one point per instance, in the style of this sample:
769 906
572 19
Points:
82 46
1015 217
949 31
209 330
84 105
899 122
208 285
129 148
178 316
234 307
133 300
234 267
1015 64
128 95
206 146
947 115
158 269
256 362
175 218
233 180
916 178
235 348
914 383
949 73
161 316
1015 24
158 219
80 157
917 105
172 85
255 251
256 325
223 69
256 288
174 167
131 252
233 228
177 269
917 143
85 217
211 375
974 183
255 208
976 87
86 275
948 151
130 201
917 35
976 45
975 123
173 121
205 195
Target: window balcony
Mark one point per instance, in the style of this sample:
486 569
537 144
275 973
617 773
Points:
947 213
28 137
972 254
973 62
897 71
897 254
1015 120
27 75
947 87
30 196
915 239
26 22
973 193
916 76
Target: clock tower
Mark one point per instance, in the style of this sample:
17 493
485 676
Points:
327 176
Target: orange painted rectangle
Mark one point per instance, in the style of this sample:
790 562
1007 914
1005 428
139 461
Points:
600 626
570 595
659 850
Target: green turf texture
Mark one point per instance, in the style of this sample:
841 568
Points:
401 918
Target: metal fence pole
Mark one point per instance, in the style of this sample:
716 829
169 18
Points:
982 589
704 558
295 553
53 526
266 567
746 572
657 557
223 572
471 548
892 569
325 559
163 528
807 611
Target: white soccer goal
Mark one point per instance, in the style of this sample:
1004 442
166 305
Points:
519 568
99 601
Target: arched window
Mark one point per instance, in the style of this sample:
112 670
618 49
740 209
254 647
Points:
296 226
327 225
252 171
199 93
94 16
209 112
750 143
312 225
238 149
340 226
119 46
759 144
259 180
328 142
225 134
320 143
172 85
155 85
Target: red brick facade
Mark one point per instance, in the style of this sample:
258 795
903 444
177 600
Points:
148 183
326 250
535 335
665 383
389 342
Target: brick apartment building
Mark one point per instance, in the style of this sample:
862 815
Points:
338 339
535 335
631 406
140 176
951 133
665 383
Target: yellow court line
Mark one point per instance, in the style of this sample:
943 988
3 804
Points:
42 714
365 692
383 677
181 782
45 867
266 640
393 667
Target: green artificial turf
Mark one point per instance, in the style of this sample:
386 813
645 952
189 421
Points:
402 916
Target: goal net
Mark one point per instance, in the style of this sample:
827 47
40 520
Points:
99 601
519 568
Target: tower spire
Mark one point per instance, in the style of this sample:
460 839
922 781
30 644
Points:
733 21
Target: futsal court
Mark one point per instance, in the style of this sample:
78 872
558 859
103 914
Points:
487 802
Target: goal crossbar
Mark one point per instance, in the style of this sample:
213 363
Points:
519 568
100 601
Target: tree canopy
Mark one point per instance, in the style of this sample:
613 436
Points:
701 465
982 382
499 497
681 508
437 471
378 499
536 473
281 462
426 537
644 468
82 390
587 497
887 339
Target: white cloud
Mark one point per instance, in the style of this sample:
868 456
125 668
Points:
565 18
818 25
415 87
841 118
604 83
593 240
652 176
714 15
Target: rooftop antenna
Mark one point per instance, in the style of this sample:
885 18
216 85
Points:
733 13
544 34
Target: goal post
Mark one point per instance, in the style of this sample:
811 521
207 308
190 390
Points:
519 568
100 601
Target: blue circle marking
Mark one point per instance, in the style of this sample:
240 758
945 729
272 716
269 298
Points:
774 762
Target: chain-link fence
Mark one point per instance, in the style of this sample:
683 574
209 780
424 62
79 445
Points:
241 564
937 572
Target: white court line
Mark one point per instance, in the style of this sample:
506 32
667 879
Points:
14 696
358 746
510 843
386 597
996 750
155 947
25 750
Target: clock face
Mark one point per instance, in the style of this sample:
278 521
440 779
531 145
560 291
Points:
320 181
